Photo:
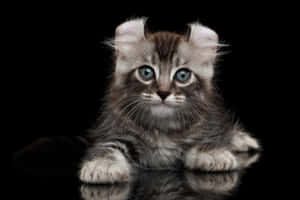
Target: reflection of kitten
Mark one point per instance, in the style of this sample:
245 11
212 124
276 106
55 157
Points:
157 185
161 110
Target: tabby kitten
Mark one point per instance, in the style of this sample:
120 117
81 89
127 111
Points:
161 110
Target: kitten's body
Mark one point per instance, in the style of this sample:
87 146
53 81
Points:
163 122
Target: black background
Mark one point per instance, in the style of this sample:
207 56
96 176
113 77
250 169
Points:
61 68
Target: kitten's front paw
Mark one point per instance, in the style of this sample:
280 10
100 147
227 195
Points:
246 160
110 169
243 142
214 160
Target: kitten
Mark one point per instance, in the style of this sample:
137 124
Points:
161 110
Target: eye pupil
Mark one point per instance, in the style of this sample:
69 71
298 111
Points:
146 72
183 75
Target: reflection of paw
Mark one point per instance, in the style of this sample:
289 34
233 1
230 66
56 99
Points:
105 192
243 142
214 160
114 168
219 183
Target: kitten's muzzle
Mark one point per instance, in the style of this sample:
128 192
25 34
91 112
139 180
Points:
163 94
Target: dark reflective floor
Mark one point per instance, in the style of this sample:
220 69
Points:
162 185
167 186
49 178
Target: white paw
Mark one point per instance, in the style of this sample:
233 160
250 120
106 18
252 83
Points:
111 169
246 160
243 142
214 160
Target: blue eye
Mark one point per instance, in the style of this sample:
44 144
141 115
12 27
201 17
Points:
146 72
183 75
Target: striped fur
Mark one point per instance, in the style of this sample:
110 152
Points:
138 129
166 45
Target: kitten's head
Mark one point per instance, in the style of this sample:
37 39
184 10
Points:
163 79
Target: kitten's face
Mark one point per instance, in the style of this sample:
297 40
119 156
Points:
164 77
163 92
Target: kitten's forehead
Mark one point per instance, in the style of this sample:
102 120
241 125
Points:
164 51
165 47
171 50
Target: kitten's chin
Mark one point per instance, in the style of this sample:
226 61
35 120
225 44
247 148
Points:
162 110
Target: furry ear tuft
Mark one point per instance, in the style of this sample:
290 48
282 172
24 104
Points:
130 31
128 34
205 39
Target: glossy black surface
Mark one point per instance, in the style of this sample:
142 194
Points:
48 169
148 185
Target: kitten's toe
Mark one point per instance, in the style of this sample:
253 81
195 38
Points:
214 160
106 170
246 160
242 142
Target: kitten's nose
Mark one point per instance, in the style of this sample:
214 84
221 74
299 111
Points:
163 94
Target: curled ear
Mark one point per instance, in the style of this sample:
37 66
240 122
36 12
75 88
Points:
204 39
129 33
